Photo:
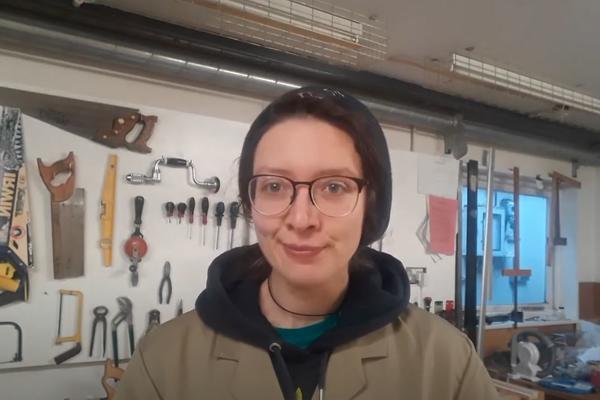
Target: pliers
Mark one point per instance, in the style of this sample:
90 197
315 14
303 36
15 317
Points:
166 280
100 313
125 314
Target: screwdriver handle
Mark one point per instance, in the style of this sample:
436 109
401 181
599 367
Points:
181 207
170 207
220 211
234 210
204 205
191 208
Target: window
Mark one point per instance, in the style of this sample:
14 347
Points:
533 233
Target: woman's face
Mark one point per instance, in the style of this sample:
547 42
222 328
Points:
304 246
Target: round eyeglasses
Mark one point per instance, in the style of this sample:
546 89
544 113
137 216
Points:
334 196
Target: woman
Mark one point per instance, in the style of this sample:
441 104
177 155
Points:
310 312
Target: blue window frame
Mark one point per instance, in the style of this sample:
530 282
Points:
533 233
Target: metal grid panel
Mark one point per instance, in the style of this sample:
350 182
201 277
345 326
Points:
503 78
314 28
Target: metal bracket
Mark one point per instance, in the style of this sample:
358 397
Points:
212 184
574 168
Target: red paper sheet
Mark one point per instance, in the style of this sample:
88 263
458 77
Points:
442 224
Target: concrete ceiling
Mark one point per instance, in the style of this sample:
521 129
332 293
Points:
553 40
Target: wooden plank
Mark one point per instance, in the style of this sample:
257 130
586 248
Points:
565 180
589 301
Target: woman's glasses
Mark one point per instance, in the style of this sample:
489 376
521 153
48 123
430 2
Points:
334 196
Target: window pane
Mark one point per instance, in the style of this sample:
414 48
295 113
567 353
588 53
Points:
533 228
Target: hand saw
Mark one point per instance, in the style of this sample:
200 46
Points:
103 123
67 206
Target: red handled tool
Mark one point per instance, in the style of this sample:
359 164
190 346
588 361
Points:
135 246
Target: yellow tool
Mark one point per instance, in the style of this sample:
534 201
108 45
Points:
107 215
7 278
72 352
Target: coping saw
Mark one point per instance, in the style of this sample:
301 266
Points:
106 124
72 352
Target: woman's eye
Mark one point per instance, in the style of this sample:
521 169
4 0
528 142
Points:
272 187
335 187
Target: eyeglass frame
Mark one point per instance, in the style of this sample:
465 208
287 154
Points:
360 182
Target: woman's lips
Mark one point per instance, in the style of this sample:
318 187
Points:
302 251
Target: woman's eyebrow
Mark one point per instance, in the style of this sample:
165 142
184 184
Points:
324 172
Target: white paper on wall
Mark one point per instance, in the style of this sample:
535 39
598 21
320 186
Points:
437 176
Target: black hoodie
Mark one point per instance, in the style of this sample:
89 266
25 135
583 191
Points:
376 295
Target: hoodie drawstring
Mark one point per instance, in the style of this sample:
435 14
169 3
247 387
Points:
285 379
282 372
322 372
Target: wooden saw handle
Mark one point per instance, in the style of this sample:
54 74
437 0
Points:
122 126
111 373
62 192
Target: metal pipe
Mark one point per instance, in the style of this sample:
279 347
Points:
26 34
487 253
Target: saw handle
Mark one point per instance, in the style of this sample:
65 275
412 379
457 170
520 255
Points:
67 355
114 373
62 192
140 143
122 126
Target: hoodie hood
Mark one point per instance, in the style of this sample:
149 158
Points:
376 295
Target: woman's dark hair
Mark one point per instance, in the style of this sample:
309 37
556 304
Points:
348 114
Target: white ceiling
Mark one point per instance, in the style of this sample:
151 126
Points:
553 40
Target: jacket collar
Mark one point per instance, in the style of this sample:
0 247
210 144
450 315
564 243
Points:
254 376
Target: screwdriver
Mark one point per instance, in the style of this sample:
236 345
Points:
219 212
191 207
204 206
234 210
181 211
170 207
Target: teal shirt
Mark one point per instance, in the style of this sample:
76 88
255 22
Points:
303 337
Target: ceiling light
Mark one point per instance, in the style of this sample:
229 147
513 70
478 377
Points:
317 28
291 15
499 77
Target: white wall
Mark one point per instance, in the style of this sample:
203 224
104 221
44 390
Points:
202 107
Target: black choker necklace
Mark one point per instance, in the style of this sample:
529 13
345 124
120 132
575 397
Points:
289 311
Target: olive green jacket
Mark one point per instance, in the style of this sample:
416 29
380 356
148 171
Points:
416 357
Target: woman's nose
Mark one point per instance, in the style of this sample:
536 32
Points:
302 214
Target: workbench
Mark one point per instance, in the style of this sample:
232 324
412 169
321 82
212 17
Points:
550 394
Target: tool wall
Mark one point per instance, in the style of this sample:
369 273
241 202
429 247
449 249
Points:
213 145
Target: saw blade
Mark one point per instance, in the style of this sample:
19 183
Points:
80 117
68 235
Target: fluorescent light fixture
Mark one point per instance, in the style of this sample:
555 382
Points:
500 77
294 17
